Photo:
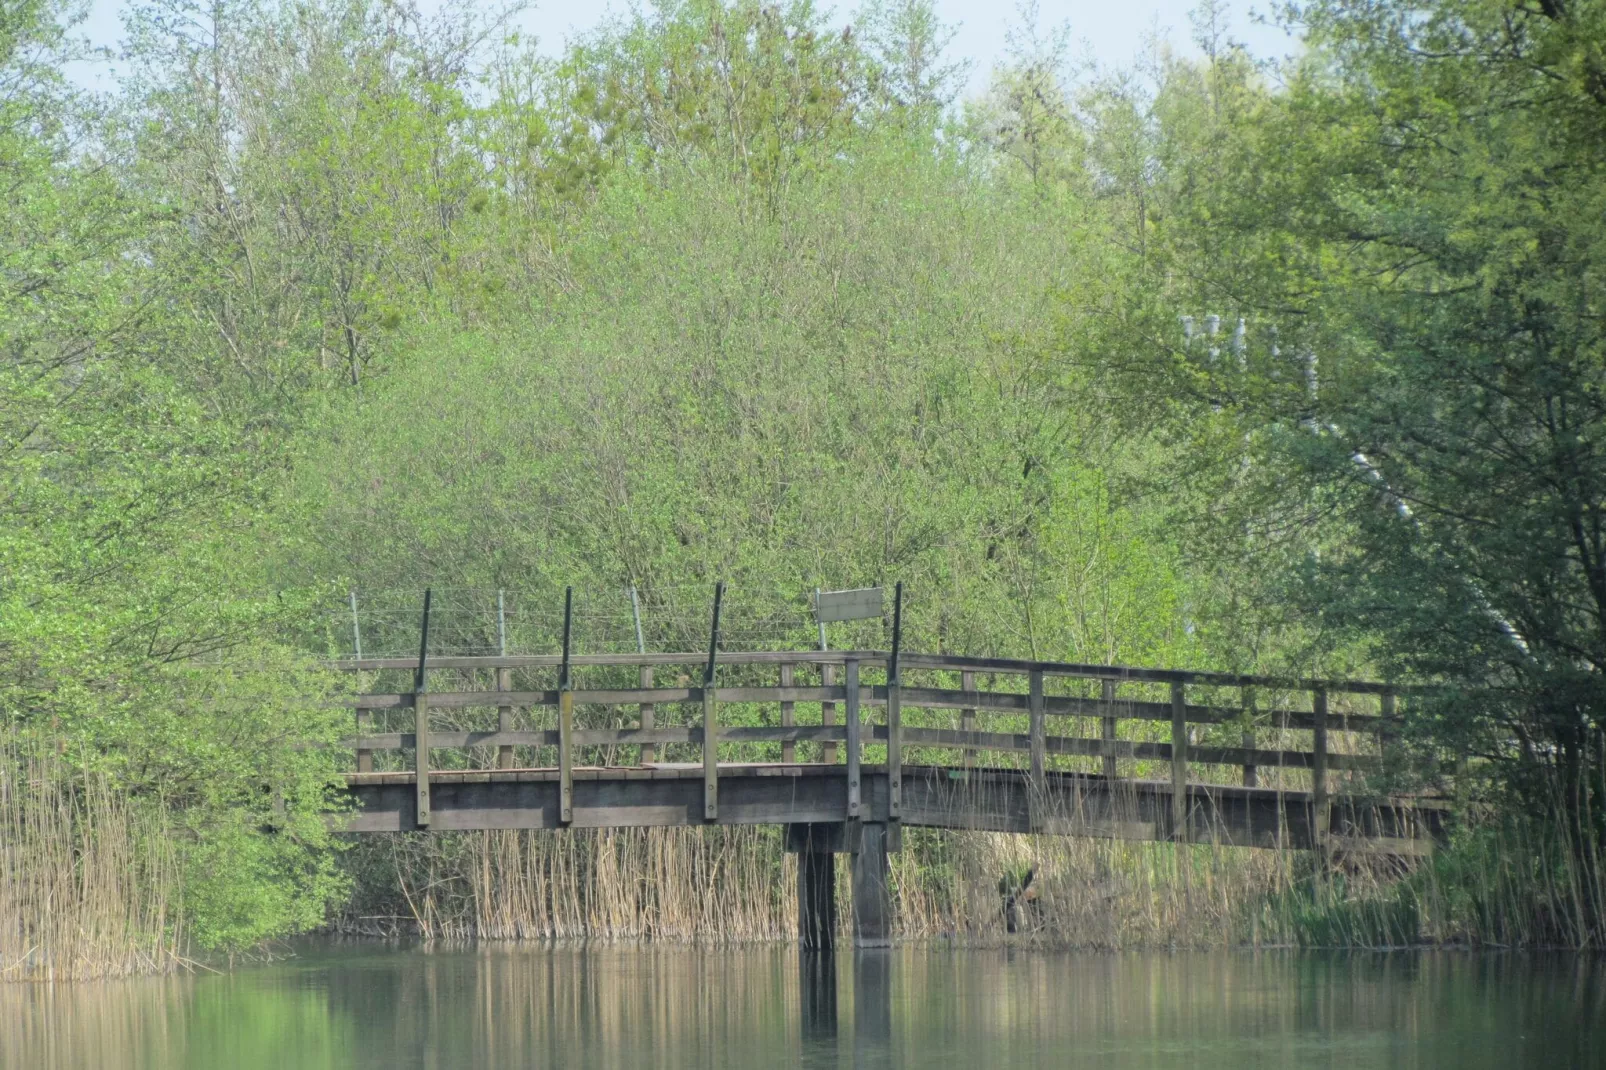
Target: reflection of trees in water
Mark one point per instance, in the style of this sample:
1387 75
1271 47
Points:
365 1005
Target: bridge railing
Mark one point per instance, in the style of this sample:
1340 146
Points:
1170 707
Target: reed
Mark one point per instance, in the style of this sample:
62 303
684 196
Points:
88 879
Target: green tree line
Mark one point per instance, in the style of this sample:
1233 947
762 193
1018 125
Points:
1207 362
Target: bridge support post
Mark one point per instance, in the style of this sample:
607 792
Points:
816 886
872 894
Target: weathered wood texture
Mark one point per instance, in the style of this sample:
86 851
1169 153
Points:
993 800
1028 699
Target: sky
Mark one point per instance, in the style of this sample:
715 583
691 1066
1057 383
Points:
1113 33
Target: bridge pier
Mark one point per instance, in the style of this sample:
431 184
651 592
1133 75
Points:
816 846
816 887
872 895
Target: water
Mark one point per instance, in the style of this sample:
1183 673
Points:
365 1006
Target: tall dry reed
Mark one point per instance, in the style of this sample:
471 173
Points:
88 881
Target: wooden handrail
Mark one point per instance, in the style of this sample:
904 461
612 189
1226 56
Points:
940 662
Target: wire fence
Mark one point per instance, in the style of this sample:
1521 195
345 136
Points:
487 621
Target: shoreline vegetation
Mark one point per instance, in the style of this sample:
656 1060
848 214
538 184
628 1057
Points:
1295 369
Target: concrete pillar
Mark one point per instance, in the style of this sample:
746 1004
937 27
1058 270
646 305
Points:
872 896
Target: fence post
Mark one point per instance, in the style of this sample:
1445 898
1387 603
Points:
1321 817
967 717
895 724
711 717
850 673
421 721
828 714
1251 773
365 757
504 717
788 717
1036 796
647 711
1179 762
566 718
1107 696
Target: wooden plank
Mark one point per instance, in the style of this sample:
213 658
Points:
967 717
788 715
1321 813
894 751
365 756
855 748
949 662
943 738
859 604
421 746
504 718
1039 746
710 755
1107 725
1251 776
566 756
828 712
925 698
648 715
1179 763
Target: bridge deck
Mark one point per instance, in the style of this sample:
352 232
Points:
980 799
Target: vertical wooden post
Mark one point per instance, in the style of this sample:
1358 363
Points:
365 757
816 891
788 717
1179 763
895 720
504 719
1251 773
828 713
872 896
710 754
851 709
421 720
1107 696
967 717
566 718
711 717
649 717
565 755
1037 797
1321 815
894 751
421 754
1386 727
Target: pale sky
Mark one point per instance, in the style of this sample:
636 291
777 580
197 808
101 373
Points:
1114 33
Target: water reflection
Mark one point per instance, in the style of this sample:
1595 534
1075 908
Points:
362 1006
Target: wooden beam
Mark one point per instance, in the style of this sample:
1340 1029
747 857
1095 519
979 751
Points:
1321 812
1039 743
1179 763
566 756
855 747
967 717
894 751
1251 776
421 756
504 718
648 712
710 756
788 715
365 723
872 895
828 712
1107 725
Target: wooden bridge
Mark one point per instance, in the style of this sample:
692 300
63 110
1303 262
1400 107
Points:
889 740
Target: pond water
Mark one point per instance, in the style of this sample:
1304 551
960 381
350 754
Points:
363 1005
